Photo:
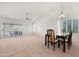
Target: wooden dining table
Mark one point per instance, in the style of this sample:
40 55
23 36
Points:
59 38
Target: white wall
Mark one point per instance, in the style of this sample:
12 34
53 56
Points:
71 10
42 25
44 14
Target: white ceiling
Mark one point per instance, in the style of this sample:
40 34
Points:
17 10
36 10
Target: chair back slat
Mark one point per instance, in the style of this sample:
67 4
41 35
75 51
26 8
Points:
51 33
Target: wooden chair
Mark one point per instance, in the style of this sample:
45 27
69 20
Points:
50 38
69 40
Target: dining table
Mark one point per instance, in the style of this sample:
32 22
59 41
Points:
61 38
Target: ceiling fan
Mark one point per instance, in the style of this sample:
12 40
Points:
27 18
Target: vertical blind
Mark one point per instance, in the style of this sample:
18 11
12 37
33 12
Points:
70 25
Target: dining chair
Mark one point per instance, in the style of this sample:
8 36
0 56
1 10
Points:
69 40
50 38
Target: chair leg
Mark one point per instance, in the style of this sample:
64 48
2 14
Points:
61 42
51 43
68 45
54 46
48 45
45 41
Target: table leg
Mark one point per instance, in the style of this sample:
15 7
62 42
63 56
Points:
58 43
64 46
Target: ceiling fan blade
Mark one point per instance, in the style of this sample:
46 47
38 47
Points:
27 19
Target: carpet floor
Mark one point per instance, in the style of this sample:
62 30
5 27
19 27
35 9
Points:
33 46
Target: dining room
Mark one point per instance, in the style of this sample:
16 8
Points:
39 29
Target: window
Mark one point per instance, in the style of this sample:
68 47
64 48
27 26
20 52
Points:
11 29
75 26
67 26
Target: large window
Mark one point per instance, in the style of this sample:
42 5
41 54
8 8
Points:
67 26
75 26
11 29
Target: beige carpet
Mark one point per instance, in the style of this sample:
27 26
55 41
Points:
33 46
